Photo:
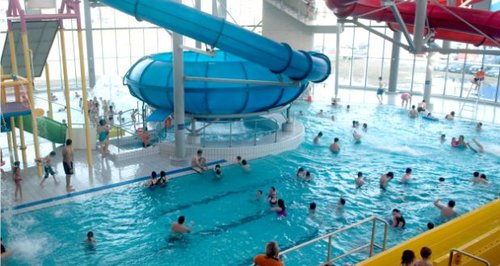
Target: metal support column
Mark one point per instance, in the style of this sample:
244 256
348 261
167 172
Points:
13 60
393 75
29 77
418 31
180 137
337 57
197 5
428 81
66 83
90 42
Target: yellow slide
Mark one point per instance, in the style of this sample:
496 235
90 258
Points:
477 233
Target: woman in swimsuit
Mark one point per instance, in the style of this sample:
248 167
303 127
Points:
103 135
397 219
280 209
273 196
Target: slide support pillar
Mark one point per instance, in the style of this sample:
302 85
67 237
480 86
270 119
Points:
89 42
337 56
66 84
84 97
197 5
50 113
13 60
393 75
179 109
27 64
418 30
428 81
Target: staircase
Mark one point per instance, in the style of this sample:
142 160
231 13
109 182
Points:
304 11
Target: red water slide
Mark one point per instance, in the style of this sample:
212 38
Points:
445 25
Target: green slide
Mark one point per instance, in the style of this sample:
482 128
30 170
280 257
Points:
47 128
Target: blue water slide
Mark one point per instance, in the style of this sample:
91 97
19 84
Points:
149 77
215 31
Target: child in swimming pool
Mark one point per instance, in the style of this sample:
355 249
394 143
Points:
217 171
273 196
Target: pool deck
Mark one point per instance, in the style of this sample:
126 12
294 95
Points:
105 176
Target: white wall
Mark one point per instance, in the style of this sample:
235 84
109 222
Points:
281 27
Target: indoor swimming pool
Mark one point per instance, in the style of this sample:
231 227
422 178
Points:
230 225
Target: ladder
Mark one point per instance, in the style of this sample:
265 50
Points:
471 100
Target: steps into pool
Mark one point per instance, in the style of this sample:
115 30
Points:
476 233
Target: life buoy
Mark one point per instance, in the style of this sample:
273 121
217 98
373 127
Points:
168 122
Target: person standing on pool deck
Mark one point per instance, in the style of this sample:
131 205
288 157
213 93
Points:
271 258
446 211
385 178
405 99
380 90
198 162
335 147
18 179
179 227
47 167
67 154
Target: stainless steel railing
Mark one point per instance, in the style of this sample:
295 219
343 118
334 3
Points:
474 257
330 236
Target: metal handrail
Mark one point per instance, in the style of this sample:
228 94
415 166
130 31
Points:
453 250
371 244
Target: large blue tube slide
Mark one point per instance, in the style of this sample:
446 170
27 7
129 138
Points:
217 32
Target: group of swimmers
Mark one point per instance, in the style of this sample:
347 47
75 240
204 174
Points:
155 181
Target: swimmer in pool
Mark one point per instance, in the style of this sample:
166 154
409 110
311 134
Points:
335 147
90 238
479 149
365 127
280 209
217 171
450 116
385 178
308 176
359 180
397 219
245 166
443 138
429 115
407 175
357 137
301 173
312 209
479 127
316 139
179 227
446 211
153 180
348 108
258 195
320 113
163 178
460 143
272 197
479 178
340 204
238 160
413 112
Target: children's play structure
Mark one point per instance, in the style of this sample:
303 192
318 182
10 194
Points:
28 43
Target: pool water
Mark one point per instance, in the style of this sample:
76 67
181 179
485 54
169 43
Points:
230 226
